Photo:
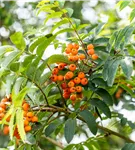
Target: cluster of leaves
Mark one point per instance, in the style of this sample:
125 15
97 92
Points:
26 73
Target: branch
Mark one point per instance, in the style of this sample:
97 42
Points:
53 142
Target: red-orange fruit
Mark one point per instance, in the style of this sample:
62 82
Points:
27 128
3 105
71 84
60 77
54 78
1 116
94 56
78 89
26 122
55 71
76 46
26 106
84 81
68 50
81 56
61 66
67 90
8 118
73 97
90 46
72 89
66 95
6 130
81 75
4 100
77 80
72 67
2 110
64 85
70 46
74 51
91 51
30 114
69 75
34 119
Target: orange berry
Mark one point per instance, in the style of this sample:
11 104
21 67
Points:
78 89
55 71
81 75
84 81
26 122
71 84
26 106
8 118
73 97
54 78
2 110
79 95
29 118
76 46
74 51
90 46
61 66
27 128
30 114
91 51
60 77
66 95
70 58
68 50
34 119
69 75
64 85
117 95
25 113
72 67
75 58
3 105
94 56
1 116
6 130
4 100
72 89
81 56
67 90
77 80
70 46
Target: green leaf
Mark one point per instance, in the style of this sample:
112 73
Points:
11 124
69 147
99 28
129 146
101 40
107 98
77 22
64 30
15 66
42 47
124 4
101 105
112 70
58 58
18 99
20 124
30 139
36 42
10 58
106 68
120 37
53 15
69 130
48 88
99 82
51 128
128 34
69 11
6 48
61 3
132 15
44 78
58 24
18 40
90 120
127 66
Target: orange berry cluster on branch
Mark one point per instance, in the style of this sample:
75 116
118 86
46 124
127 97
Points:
91 52
70 76
28 119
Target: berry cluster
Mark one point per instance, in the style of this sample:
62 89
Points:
28 116
91 52
72 79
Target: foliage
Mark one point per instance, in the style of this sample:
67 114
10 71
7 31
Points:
29 77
